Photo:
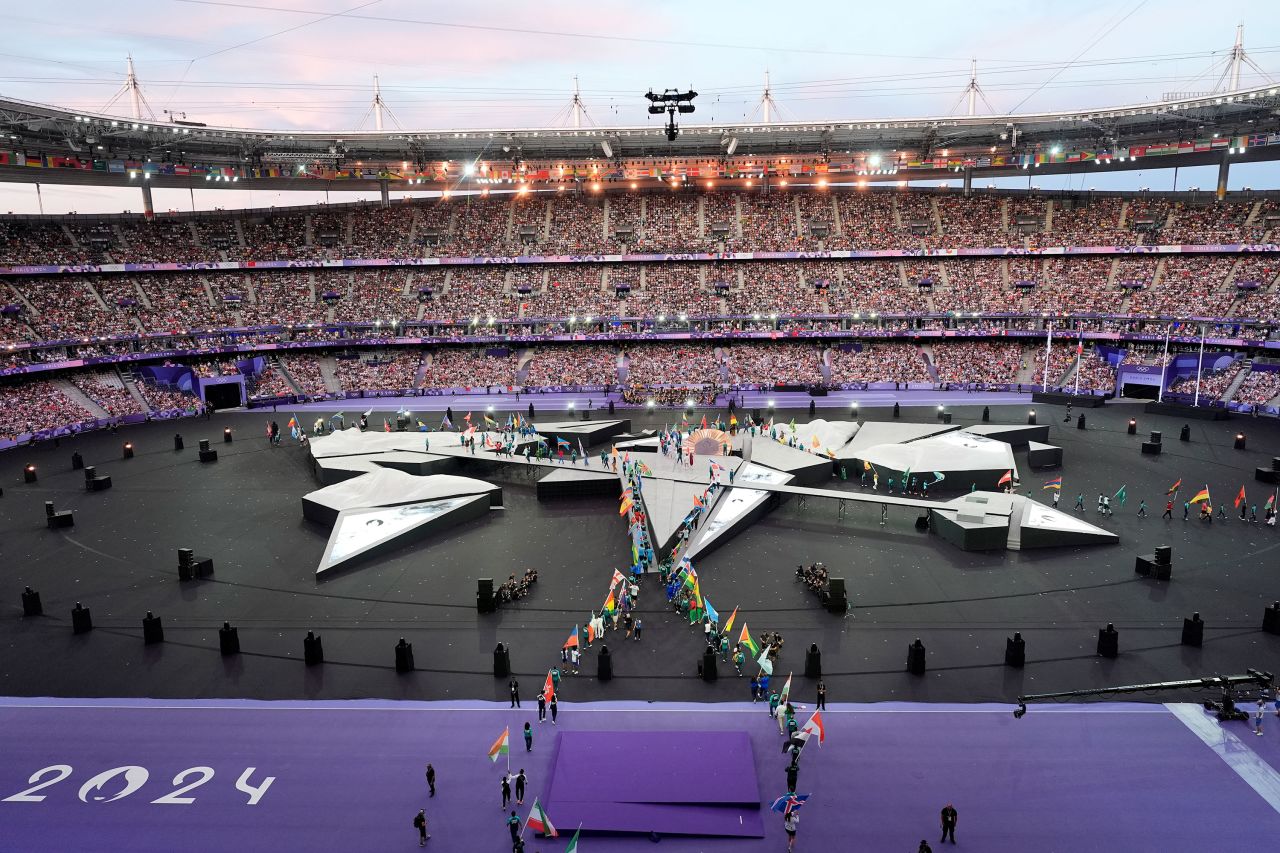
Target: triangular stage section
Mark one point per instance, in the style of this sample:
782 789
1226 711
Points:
872 433
1043 455
666 503
363 533
1014 434
589 432
737 509
1045 527
807 469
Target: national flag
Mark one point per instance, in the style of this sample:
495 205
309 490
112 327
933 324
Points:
744 639
786 692
293 422
539 822
445 423
501 746
1201 496
573 843
792 424
627 503
1271 501
488 421
609 603
703 425
1240 498
561 442
763 661
572 642
728 626
815 443
789 803
548 687
1120 496
815 727
1173 490
369 413
866 466
1007 478
617 579
1055 483
467 418
581 451
938 477
591 629
386 425
712 613
733 420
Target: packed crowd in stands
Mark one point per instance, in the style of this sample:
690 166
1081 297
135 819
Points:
1190 286
977 362
867 222
381 371
382 232
973 221
876 286
768 224
1213 383
1094 222
1259 387
24 243
304 370
468 368
105 388
866 363
475 292
1095 374
655 365
640 395
577 226
283 298
771 364
671 289
1078 285
480 225
68 308
35 406
771 287
269 383
551 367
573 291
161 399
974 286
1061 357
161 241
528 225
670 225
1207 224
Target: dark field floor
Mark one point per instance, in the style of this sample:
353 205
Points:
245 512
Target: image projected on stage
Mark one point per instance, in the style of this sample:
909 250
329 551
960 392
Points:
357 532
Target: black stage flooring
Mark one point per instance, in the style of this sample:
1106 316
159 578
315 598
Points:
245 512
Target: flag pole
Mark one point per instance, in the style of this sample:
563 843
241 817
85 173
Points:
1079 362
1199 367
1164 366
1048 347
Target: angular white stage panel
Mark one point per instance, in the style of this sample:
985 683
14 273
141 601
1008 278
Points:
738 509
1014 434
352 442
700 472
362 533
335 469
1045 527
638 445
1043 455
388 487
807 469
992 521
666 504
590 432
964 458
415 462
874 433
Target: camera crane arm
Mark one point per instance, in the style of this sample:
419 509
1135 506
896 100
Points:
1226 683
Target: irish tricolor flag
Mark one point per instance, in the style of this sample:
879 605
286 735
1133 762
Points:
539 822
501 746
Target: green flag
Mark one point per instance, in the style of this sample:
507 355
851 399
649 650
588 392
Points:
573 843
1120 496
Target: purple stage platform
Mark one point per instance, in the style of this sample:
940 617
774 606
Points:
105 774
677 783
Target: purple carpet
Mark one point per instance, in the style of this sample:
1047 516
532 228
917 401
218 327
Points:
672 783
118 774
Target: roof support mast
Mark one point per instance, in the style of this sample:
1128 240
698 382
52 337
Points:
135 93
1237 57
578 109
378 105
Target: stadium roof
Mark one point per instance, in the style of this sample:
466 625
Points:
27 128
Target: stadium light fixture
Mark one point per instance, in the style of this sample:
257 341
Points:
874 161
469 169
1056 150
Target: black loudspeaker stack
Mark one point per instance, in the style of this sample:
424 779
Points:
1108 641
152 630
837 598
604 664
312 649
1193 631
485 602
915 658
404 656
228 640
709 671
813 662
1015 651
1158 566
1270 619
501 661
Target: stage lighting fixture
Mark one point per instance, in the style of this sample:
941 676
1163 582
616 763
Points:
29 474
1133 427
226 435
688 404
606 148
771 405
1031 417
128 450
1239 441
571 405
939 408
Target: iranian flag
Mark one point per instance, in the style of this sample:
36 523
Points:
539 822
573 843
